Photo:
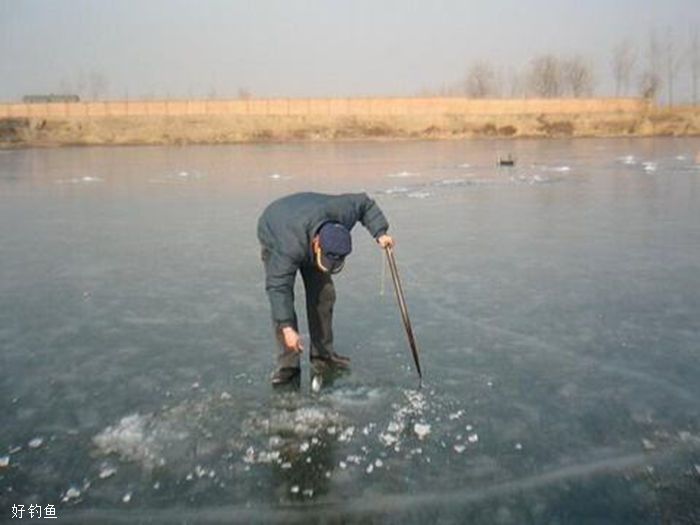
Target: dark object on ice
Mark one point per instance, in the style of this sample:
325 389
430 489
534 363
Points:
507 161
282 376
334 361
404 310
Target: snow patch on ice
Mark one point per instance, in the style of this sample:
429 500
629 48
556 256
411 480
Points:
139 438
403 175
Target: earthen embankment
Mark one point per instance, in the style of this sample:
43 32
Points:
255 120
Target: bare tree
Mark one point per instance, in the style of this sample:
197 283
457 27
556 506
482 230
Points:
623 62
97 85
650 80
81 84
649 85
673 61
516 84
577 76
545 76
481 80
694 63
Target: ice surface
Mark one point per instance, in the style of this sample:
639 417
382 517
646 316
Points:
555 310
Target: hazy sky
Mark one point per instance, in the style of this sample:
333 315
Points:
299 48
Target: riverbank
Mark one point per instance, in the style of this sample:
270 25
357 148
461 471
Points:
221 122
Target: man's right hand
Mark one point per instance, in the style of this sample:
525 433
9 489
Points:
292 340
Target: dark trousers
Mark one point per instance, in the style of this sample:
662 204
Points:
320 298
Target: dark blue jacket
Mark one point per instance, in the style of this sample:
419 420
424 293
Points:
285 231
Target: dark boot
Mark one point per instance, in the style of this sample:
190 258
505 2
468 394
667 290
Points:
283 376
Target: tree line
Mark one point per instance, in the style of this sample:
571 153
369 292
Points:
651 70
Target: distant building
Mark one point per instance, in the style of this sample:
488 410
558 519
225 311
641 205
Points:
37 99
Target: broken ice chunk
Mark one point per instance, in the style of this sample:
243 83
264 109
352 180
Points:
387 439
421 430
249 455
346 435
648 445
107 472
370 468
127 497
459 448
393 427
473 438
36 442
71 493
294 489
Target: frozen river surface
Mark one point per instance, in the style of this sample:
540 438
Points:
556 305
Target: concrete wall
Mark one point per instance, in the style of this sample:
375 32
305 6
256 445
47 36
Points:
326 107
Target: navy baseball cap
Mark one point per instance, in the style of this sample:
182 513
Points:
336 244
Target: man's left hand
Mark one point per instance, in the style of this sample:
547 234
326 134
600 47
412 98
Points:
385 241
